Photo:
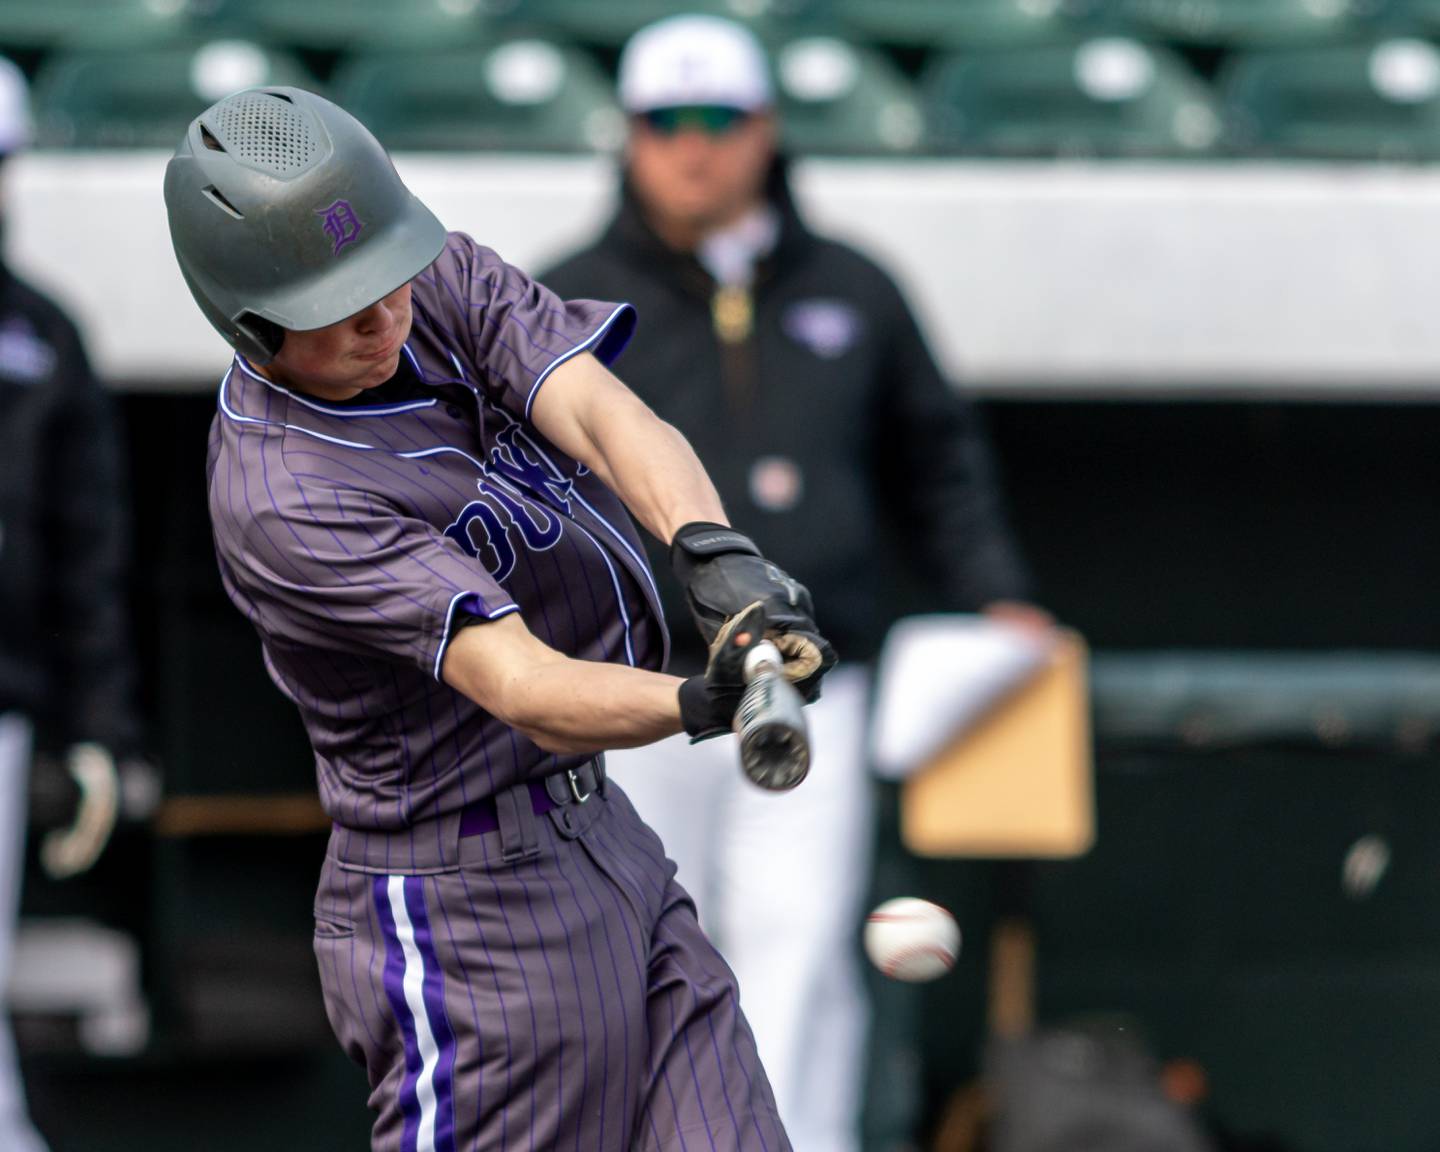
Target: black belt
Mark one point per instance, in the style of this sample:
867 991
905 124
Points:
572 786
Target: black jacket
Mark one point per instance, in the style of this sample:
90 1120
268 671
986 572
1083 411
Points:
829 432
65 654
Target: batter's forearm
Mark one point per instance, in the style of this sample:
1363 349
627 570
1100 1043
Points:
659 477
585 706
562 704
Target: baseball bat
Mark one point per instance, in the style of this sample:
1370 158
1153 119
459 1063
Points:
774 738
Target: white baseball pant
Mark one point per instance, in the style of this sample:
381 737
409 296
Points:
16 1132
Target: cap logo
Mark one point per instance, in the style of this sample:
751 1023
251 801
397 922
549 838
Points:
340 224
692 68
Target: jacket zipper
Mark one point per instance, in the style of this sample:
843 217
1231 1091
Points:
732 315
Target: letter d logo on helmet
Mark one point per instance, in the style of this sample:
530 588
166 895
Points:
286 213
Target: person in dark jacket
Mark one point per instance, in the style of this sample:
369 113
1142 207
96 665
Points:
66 670
793 365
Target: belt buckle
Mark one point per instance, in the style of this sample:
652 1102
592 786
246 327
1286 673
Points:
574 777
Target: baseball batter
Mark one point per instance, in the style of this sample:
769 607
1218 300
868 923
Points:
419 478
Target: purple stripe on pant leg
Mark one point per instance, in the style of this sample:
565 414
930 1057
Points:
433 993
394 980
476 1038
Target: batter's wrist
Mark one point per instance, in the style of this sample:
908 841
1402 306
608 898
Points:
701 540
704 711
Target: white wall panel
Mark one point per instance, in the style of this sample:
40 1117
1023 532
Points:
1043 278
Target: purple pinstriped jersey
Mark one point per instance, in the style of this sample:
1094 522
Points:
352 535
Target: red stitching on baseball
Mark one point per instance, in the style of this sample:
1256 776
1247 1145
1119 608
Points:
899 918
912 951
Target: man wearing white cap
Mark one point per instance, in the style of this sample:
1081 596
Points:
794 367
65 662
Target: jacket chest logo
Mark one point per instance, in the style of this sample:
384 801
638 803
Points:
24 357
829 328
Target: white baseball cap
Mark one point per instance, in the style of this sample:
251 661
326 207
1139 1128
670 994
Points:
15 126
683 61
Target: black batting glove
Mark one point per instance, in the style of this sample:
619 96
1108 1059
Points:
707 712
724 575
708 702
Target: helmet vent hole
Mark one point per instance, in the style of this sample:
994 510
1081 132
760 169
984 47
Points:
267 131
215 195
208 139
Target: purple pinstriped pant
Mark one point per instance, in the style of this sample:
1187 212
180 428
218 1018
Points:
564 999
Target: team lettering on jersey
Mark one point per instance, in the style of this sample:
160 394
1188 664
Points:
515 492
510 458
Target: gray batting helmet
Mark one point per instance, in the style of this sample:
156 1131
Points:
286 213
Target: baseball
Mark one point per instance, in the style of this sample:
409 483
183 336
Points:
912 939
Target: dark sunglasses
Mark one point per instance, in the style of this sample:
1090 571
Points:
711 119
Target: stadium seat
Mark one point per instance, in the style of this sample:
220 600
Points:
1413 14
42 24
954 23
363 25
1240 21
103 98
1104 97
611 23
1374 101
835 98
522 95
